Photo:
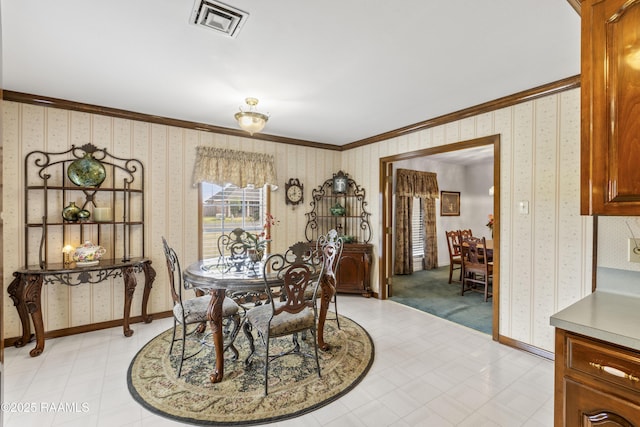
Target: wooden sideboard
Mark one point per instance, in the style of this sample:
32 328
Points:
351 222
354 269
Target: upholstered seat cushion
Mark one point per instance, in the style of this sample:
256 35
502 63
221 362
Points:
195 309
282 324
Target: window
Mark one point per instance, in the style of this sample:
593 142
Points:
417 228
226 208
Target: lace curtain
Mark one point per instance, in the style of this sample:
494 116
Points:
221 166
410 184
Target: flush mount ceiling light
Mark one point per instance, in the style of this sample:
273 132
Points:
251 121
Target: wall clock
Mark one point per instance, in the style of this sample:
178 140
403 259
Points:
294 194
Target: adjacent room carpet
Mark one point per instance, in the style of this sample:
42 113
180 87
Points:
429 291
294 386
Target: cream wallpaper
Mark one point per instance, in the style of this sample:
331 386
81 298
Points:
545 256
171 204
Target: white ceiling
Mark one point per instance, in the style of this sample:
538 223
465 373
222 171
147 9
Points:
332 71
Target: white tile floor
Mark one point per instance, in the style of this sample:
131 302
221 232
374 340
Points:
427 372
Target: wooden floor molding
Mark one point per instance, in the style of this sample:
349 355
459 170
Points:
10 342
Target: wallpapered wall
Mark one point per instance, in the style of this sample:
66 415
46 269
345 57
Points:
545 256
167 154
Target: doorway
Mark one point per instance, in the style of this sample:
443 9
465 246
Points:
386 188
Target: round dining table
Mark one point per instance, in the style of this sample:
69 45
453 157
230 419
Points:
207 276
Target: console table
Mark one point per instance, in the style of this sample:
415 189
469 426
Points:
25 291
109 192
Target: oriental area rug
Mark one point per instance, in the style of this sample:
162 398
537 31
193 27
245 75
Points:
294 386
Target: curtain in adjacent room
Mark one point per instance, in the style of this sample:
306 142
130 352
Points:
410 184
222 166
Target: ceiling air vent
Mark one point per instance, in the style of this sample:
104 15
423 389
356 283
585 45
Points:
218 17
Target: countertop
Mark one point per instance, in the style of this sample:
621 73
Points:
607 316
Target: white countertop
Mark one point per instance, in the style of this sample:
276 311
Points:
607 316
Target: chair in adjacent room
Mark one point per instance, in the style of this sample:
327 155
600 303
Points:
194 311
286 316
465 233
477 271
455 256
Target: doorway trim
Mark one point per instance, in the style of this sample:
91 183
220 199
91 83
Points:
386 194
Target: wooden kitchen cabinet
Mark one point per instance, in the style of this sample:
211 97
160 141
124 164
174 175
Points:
610 105
596 383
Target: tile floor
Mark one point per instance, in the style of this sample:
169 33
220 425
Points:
427 372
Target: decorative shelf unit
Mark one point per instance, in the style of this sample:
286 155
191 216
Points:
351 222
96 179
48 190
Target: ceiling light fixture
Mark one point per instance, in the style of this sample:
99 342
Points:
251 121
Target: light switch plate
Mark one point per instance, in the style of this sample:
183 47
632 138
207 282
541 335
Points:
523 207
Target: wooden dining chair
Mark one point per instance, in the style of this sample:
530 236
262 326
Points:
194 311
455 256
290 315
465 233
477 272
329 248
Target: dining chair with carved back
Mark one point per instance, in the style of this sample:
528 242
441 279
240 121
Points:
455 254
193 311
329 248
232 249
477 271
290 315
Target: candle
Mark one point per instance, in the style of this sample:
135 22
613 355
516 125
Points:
102 214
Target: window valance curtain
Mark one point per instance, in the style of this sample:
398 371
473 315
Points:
222 166
412 183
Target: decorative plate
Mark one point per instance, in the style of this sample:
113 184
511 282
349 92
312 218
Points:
86 172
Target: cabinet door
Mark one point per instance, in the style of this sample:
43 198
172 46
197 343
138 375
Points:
586 406
351 272
610 85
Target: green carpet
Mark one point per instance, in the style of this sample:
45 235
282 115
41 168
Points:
238 400
428 290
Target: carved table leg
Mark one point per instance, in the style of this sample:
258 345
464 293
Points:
328 289
25 291
214 314
149 277
130 283
17 292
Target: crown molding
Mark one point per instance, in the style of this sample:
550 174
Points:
45 101
507 101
